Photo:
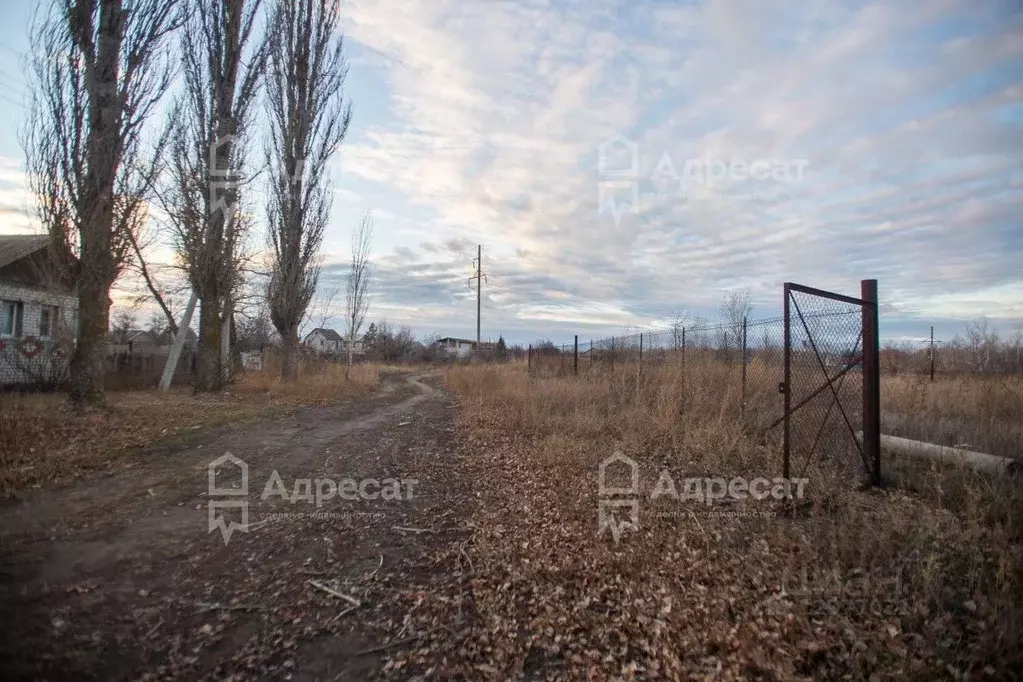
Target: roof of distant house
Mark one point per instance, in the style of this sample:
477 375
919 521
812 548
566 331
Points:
452 338
328 334
14 247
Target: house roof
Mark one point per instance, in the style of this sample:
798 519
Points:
328 334
14 247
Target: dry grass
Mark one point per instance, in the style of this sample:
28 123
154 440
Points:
42 440
983 413
920 579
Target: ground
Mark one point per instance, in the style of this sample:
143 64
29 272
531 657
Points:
496 567
117 577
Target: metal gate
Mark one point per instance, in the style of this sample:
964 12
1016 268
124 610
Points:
831 385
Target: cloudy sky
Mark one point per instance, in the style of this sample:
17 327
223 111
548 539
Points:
620 160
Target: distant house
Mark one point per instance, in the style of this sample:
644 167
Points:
38 313
453 346
328 342
141 342
132 341
324 341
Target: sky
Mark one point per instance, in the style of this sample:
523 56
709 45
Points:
624 160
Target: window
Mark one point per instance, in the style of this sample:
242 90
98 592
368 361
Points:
47 321
10 318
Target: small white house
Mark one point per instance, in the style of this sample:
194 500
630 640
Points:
460 348
324 341
328 342
38 313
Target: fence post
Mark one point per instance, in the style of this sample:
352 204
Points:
871 378
785 387
612 352
575 355
683 346
529 359
742 411
641 354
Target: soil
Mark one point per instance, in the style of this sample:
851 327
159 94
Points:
120 576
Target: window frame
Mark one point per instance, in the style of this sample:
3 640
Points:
53 313
16 317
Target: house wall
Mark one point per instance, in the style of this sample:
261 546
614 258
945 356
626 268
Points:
459 349
17 367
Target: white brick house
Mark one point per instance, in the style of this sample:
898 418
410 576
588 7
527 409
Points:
459 348
324 341
38 313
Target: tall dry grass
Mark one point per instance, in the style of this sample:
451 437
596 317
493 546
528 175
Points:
953 538
984 413
319 381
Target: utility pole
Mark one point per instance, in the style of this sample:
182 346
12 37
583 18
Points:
932 352
480 277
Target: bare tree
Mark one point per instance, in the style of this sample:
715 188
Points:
99 70
356 302
309 118
222 62
736 306
325 306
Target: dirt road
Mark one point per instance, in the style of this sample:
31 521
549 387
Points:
119 576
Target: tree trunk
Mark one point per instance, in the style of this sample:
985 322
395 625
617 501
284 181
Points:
289 366
96 270
351 355
207 366
87 362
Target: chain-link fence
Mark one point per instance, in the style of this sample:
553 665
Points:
744 358
804 374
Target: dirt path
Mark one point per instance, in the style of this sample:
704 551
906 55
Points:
119 577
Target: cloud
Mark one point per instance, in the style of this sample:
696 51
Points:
897 110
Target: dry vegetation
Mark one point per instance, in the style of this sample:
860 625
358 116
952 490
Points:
43 440
981 413
920 580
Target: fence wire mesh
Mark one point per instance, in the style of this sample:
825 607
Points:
825 381
742 362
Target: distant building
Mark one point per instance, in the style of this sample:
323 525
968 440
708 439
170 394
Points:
38 313
328 342
450 345
324 341
141 342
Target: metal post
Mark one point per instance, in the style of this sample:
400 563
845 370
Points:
612 352
932 352
641 353
575 356
871 378
683 345
529 359
742 408
786 387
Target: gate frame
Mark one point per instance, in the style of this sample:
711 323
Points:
871 374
